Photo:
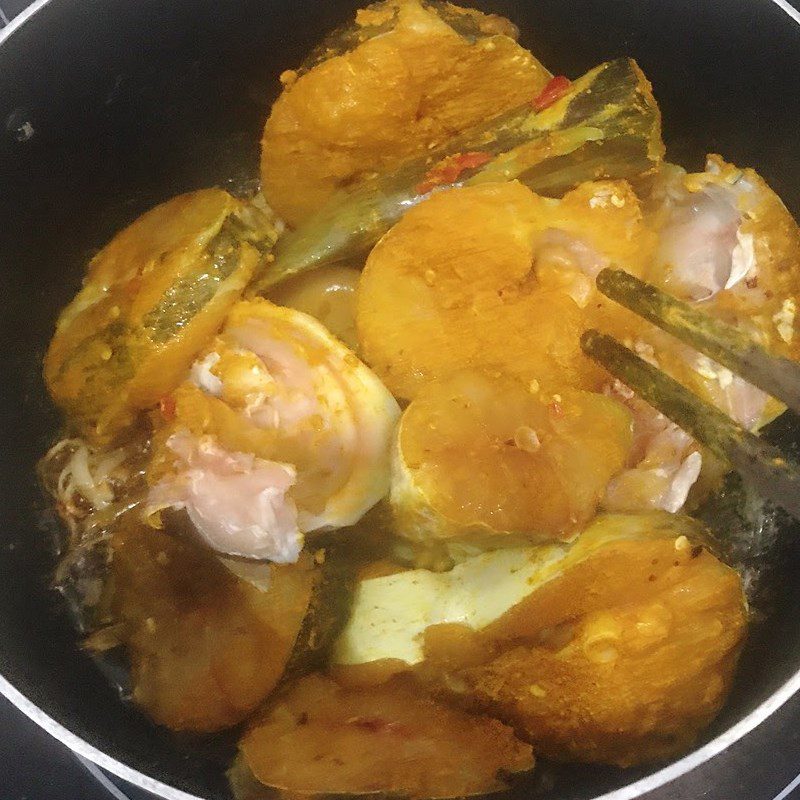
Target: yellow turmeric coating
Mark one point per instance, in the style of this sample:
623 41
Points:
150 301
481 459
630 653
484 275
318 738
391 98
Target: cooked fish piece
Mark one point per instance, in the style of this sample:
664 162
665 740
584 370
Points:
617 649
644 666
724 236
663 463
392 612
483 460
205 645
725 240
321 738
380 18
151 300
604 125
327 294
494 275
281 431
460 280
391 97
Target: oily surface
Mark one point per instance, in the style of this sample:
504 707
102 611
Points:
150 301
388 99
630 654
474 276
318 737
206 647
483 451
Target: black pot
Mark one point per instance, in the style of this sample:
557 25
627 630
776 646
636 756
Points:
108 107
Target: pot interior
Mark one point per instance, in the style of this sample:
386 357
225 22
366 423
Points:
129 103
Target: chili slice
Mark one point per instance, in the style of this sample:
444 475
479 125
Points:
449 169
555 89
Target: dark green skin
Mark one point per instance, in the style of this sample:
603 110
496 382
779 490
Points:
346 552
614 117
178 306
327 613
347 37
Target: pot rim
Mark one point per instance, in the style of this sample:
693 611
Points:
632 791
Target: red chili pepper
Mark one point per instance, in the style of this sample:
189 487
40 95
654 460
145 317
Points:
555 89
166 405
472 160
449 169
